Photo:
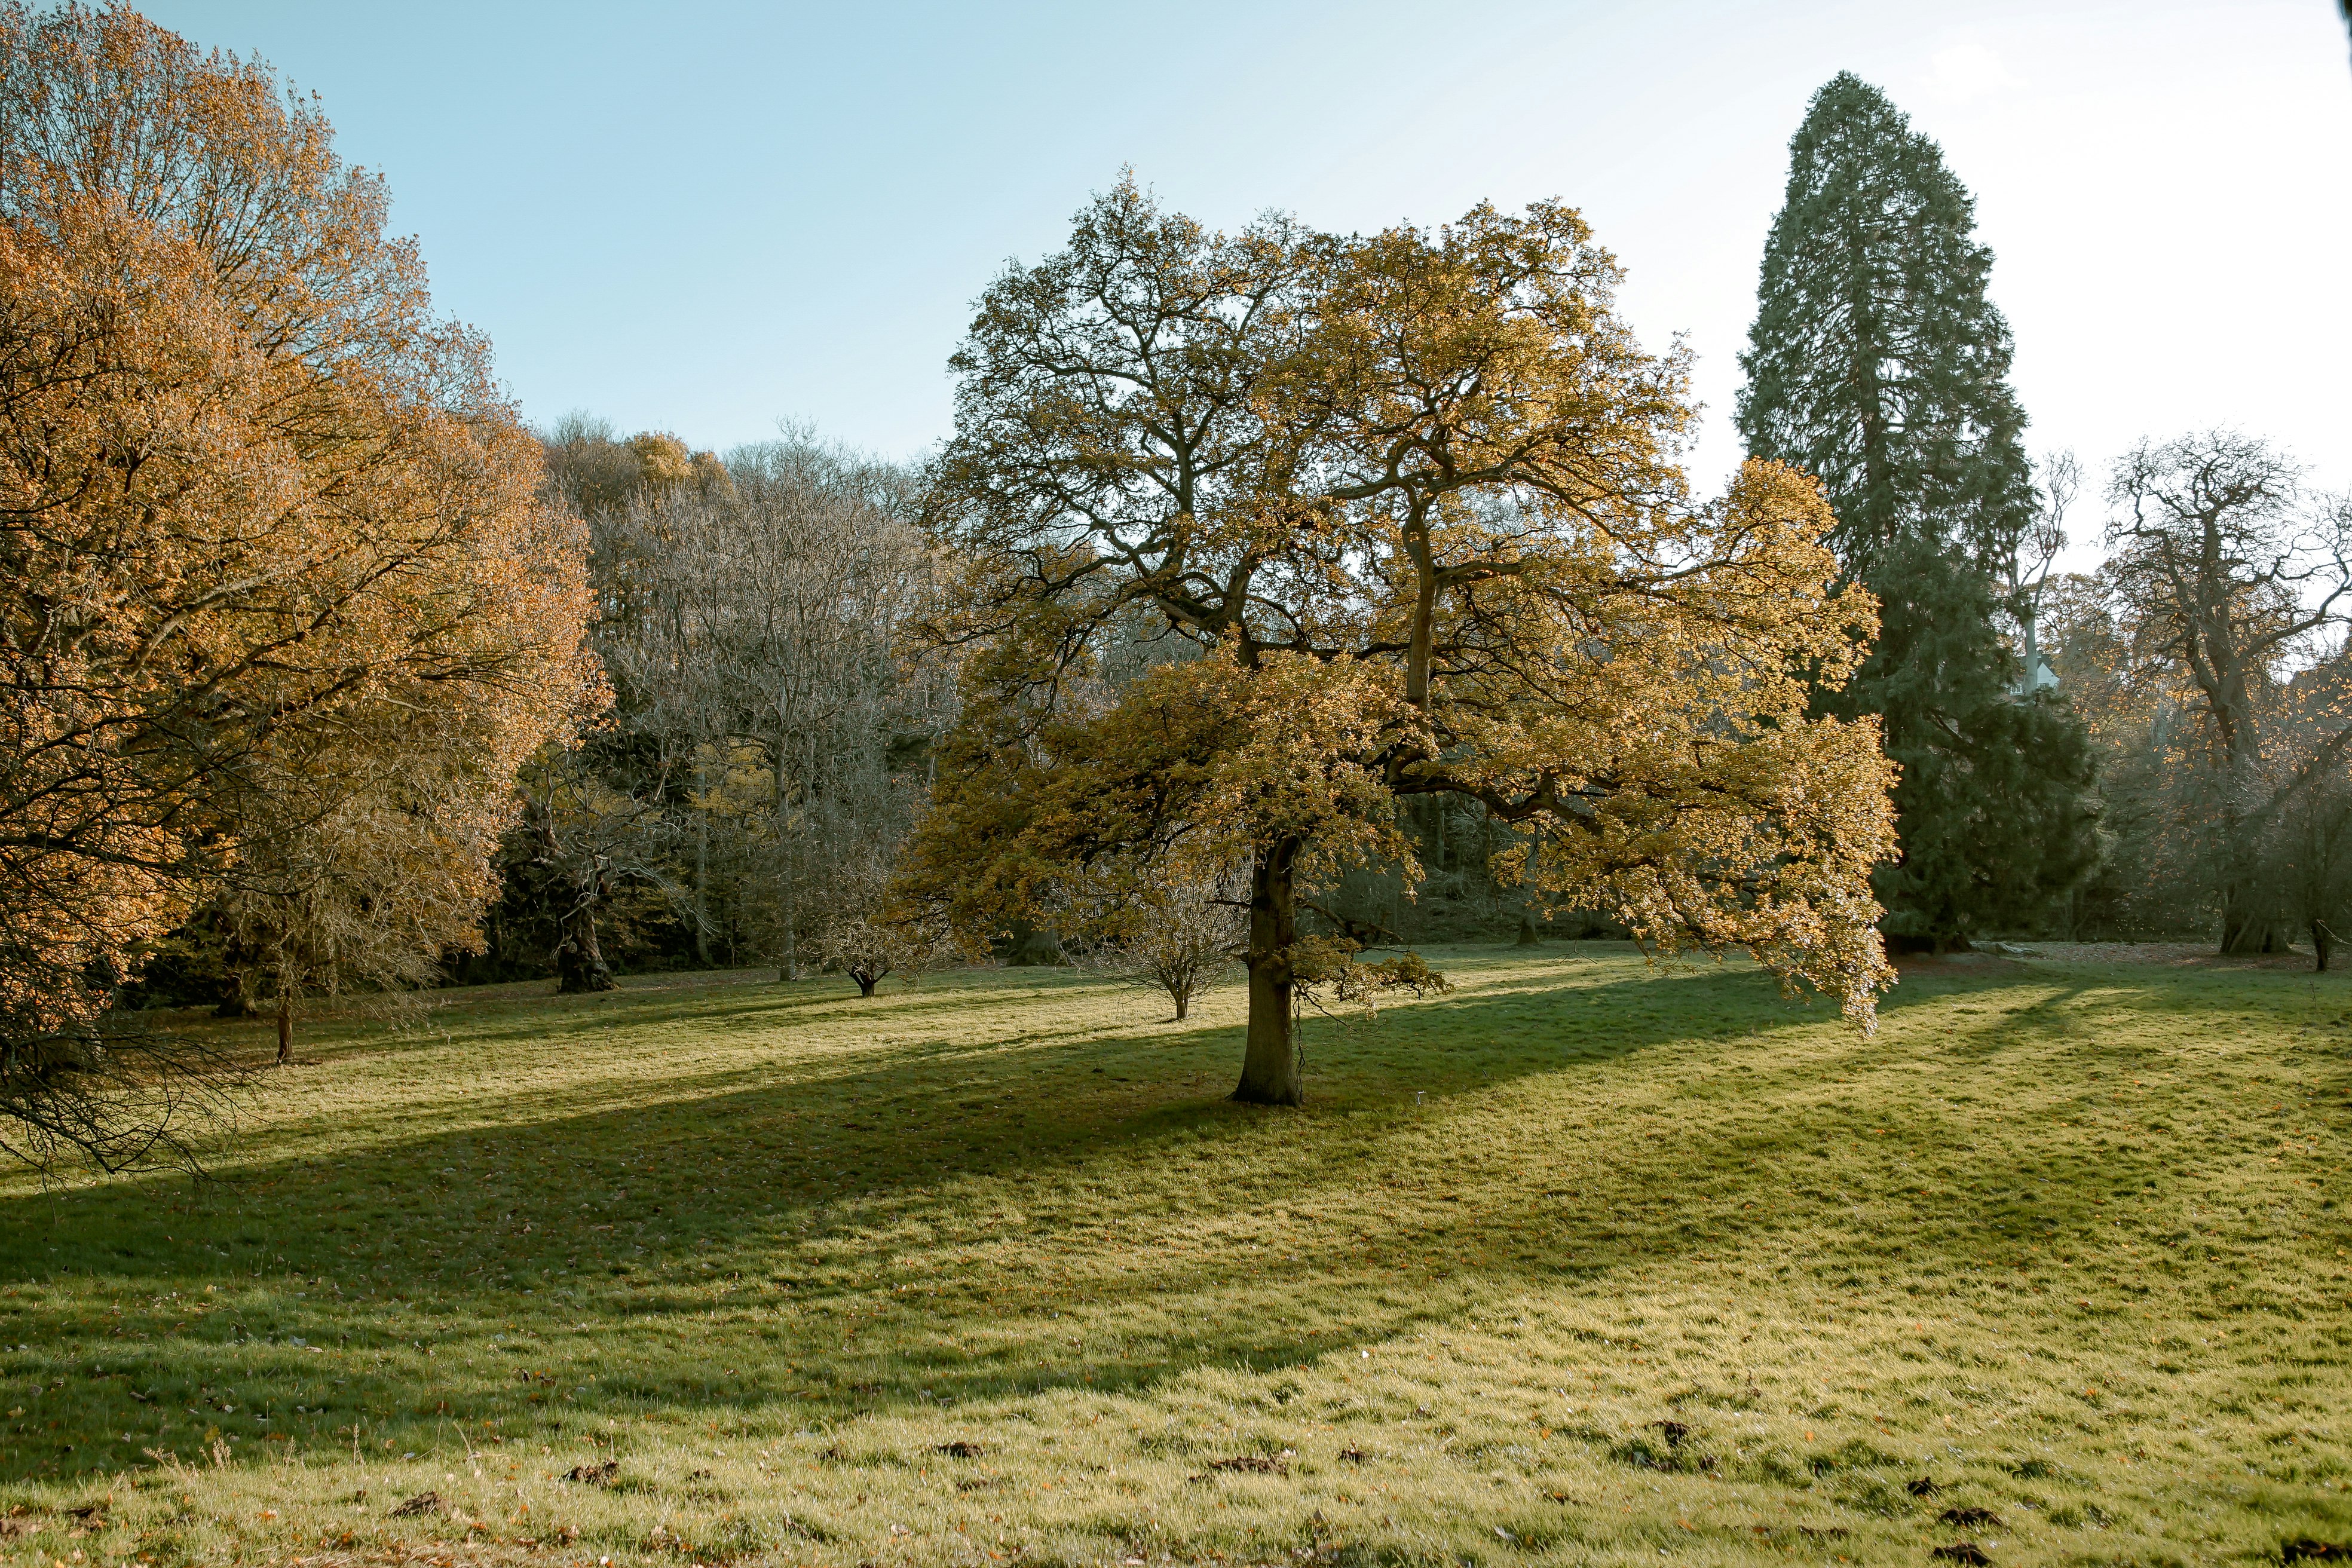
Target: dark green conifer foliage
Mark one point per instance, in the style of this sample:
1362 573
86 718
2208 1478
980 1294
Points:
1877 364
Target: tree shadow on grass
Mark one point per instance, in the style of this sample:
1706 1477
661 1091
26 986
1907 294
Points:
725 1251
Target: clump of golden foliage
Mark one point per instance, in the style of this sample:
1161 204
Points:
278 599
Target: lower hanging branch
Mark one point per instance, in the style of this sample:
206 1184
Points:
1321 965
1363 933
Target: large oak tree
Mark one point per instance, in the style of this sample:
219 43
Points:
1260 536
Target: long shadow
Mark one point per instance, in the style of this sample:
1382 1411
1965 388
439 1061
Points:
791 1207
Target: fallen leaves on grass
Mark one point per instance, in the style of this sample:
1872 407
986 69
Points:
1967 1551
421 1504
594 1474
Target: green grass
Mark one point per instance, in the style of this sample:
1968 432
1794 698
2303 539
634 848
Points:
1588 1262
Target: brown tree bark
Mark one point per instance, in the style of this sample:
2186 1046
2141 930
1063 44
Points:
2250 924
2245 935
1270 1074
579 963
285 1027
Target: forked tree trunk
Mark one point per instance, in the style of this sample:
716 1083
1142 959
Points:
868 979
285 1027
2249 919
2248 927
1270 1058
579 962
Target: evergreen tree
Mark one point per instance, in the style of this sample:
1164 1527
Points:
1877 364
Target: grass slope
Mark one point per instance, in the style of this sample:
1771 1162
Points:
1589 1262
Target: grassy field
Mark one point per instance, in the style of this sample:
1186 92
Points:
1588 1262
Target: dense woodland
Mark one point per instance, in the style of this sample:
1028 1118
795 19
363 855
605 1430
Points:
1281 596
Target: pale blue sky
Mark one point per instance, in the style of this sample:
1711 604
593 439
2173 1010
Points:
708 216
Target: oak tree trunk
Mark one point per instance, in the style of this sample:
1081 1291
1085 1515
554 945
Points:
866 982
285 1027
1270 1058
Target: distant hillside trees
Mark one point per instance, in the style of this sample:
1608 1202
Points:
268 527
769 734
1411 502
1877 364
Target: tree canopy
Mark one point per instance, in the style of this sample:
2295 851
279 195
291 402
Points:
263 516
1260 535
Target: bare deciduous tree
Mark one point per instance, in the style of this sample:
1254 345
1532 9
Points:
2231 575
599 848
2034 553
866 939
1177 934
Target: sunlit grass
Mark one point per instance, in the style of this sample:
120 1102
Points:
1588 1262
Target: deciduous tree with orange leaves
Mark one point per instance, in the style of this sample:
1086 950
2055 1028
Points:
266 524
1399 515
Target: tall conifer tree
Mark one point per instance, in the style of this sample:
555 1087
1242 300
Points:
1877 364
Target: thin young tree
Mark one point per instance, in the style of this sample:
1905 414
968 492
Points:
1177 935
1878 365
376 871
1413 499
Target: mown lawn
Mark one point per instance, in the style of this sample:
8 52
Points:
1588 1262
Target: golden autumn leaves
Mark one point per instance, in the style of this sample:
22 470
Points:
1382 518
278 593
